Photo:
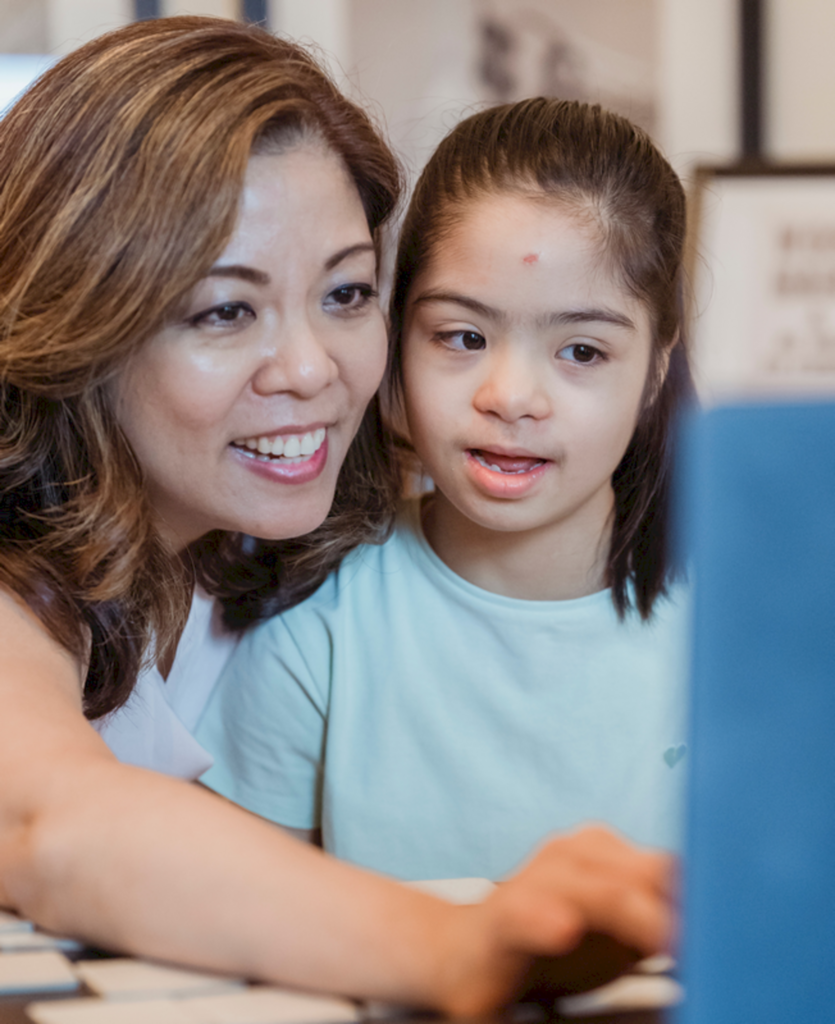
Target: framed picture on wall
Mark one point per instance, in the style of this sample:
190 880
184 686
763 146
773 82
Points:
762 266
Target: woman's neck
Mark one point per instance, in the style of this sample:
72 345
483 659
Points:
554 562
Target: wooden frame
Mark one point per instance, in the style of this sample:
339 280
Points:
762 268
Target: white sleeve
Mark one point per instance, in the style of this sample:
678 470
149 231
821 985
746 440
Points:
147 732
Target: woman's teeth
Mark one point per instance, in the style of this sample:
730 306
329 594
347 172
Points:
292 446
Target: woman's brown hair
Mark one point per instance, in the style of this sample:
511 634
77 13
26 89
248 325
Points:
120 175
601 166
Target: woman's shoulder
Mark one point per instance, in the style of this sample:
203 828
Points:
30 652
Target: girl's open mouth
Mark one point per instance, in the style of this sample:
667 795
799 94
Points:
513 464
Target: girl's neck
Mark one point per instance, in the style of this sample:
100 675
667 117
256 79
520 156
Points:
556 562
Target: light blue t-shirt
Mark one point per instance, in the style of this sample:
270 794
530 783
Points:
433 729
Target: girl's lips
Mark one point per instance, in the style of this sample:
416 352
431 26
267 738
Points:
505 476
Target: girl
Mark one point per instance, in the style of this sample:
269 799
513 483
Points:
189 215
510 662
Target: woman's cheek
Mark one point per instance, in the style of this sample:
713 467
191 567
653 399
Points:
363 376
205 386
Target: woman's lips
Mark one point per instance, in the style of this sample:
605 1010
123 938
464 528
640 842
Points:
290 445
285 469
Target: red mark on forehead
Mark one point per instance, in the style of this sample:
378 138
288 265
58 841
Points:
532 257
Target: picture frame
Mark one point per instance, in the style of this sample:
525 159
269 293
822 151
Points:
761 263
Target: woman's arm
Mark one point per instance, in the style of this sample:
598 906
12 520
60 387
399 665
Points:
143 863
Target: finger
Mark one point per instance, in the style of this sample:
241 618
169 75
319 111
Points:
597 848
636 915
617 895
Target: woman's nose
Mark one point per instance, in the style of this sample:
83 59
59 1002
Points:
513 387
298 362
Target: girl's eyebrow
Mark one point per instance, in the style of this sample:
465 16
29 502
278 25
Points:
460 300
597 314
592 314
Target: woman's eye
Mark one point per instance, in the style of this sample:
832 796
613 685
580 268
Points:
226 314
579 353
352 296
462 341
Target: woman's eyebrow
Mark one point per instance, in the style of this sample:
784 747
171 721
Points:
350 250
241 272
254 276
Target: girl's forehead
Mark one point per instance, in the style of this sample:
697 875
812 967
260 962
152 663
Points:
528 226
543 235
527 260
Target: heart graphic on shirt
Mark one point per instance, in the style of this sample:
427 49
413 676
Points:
674 754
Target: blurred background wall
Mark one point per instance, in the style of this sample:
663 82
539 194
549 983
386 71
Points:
672 65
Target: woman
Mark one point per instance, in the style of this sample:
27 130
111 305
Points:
189 216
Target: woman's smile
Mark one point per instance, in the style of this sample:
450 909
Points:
296 458
290 447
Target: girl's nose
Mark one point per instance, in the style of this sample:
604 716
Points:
513 387
299 363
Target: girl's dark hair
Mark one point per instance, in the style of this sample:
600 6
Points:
598 164
121 171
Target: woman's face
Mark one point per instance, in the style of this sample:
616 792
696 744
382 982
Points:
241 409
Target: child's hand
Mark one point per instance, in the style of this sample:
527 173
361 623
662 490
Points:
590 899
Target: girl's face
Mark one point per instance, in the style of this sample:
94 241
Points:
524 366
241 410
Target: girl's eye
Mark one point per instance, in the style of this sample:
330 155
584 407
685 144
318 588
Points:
462 341
580 353
227 314
352 297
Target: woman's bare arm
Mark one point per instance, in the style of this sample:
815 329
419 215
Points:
305 835
143 863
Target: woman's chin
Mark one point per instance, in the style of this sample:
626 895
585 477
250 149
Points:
287 526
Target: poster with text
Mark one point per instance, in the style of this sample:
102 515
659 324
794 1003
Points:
763 272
